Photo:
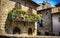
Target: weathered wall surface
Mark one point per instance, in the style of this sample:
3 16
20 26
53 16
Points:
56 23
23 28
46 17
4 13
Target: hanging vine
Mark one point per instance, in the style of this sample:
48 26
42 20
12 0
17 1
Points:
13 14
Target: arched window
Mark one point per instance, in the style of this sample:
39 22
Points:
30 31
16 30
30 10
18 5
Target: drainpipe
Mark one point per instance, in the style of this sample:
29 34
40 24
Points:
51 25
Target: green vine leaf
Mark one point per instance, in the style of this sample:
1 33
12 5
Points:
13 14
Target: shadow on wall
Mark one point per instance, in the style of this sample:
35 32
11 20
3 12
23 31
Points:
9 22
4 37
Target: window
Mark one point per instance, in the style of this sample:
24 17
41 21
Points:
30 10
43 5
18 5
59 19
40 23
46 13
59 10
25 2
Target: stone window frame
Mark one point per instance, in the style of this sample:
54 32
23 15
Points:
30 11
59 9
18 5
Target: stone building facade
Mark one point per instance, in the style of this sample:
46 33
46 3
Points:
23 28
46 21
50 21
43 5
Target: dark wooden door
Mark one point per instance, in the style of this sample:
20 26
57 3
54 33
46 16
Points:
29 31
16 30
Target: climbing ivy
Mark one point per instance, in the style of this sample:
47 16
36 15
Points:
13 14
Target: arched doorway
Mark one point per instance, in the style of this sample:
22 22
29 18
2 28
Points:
30 31
16 30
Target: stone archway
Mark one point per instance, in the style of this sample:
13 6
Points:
16 30
30 31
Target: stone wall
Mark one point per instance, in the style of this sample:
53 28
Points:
6 6
23 26
46 17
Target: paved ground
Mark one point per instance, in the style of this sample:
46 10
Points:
26 36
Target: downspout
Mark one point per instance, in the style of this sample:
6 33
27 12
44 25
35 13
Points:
51 23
